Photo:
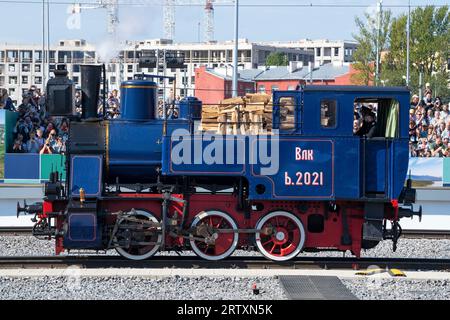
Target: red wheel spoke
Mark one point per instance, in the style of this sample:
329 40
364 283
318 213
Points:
220 222
273 248
267 242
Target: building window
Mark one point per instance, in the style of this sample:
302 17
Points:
274 88
38 80
37 68
25 68
12 80
318 52
336 52
12 91
328 112
76 68
76 79
24 79
12 68
193 80
112 80
262 89
51 67
327 52
130 68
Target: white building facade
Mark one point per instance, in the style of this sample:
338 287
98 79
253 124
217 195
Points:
325 51
22 65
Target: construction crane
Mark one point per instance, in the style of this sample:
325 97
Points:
169 16
112 7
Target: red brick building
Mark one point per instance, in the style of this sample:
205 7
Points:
211 86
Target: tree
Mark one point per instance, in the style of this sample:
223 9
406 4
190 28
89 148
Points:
368 37
277 59
430 46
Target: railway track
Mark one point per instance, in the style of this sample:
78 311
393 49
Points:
19 231
426 234
230 263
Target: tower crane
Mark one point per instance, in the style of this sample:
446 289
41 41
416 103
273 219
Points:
112 7
169 16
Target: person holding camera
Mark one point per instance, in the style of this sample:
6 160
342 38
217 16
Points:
46 148
19 146
32 144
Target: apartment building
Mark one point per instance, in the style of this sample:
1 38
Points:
22 65
325 51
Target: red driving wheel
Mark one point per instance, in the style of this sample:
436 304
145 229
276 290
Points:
286 239
220 244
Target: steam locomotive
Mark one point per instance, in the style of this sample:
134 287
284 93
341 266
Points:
141 184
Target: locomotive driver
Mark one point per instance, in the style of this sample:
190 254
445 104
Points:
368 127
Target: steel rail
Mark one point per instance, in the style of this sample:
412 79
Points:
426 234
236 262
16 230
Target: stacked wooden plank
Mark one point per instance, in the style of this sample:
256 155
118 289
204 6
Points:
251 114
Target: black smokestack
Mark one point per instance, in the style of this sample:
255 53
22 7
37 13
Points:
90 86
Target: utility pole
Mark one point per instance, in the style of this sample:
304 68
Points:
408 36
48 40
235 52
379 18
44 72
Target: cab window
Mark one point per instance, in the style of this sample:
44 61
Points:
287 113
328 113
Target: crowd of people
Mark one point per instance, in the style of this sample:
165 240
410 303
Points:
35 131
429 126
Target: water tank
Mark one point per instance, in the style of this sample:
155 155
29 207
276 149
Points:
138 100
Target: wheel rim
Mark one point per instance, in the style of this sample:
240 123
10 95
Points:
224 244
286 241
142 252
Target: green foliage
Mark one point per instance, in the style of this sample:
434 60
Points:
277 59
368 37
429 49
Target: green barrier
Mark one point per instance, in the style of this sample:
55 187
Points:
2 144
53 162
446 175
10 123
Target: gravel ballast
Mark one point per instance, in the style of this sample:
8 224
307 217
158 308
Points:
398 289
138 288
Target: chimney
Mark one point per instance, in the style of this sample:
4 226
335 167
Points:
90 86
294 66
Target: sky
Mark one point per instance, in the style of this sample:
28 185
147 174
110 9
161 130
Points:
22 23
